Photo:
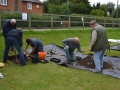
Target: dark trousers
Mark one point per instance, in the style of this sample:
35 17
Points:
13 41
40 49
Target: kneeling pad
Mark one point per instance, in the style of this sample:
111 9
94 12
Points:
55 60
1 64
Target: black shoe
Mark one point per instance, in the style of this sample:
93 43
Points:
72 60
23 64
96 71
69 62
4 61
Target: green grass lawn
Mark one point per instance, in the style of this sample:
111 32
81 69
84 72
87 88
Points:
51 76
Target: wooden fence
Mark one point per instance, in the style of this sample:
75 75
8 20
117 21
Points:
67 22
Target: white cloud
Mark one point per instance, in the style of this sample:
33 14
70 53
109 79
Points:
103 1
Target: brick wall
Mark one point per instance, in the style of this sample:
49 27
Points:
9 6
18 5
34 8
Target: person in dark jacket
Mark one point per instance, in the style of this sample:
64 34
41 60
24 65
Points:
7 27
36 44
14 37
98 44
70 44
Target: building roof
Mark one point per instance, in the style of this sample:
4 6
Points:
35 1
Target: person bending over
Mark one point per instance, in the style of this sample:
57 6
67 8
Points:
70 44
36 44
7 27
14 37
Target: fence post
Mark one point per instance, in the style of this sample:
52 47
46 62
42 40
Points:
29 20
104 21
119 23
69 22
51 21
95 18
0 24
83 22
113 23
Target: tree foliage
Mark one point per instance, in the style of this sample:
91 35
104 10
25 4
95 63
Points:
110 7
114 13
79 7
97 12
62 7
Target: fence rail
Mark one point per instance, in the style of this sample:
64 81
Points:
65 21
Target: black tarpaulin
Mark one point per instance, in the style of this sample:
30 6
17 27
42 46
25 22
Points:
111 64
115 47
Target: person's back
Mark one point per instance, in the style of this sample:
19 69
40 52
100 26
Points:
17 34
14 37
37 43
8 27
70 42
102 40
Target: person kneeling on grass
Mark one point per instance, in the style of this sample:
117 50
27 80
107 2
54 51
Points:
70 44
14 37
36 45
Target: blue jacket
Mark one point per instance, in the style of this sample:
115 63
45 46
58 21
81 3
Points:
16 34
8 27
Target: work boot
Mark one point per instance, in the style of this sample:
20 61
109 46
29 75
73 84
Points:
69 62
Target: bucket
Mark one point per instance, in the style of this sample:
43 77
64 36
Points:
35 58
42 55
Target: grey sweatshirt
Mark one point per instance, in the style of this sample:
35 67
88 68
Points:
93 38
72 46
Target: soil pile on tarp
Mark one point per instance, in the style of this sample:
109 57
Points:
88 62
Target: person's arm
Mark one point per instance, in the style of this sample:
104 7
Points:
79 48
33 49
93 39
6 28
21 37
65 42
26 48
14 26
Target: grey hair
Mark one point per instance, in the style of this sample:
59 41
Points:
13 20
92 22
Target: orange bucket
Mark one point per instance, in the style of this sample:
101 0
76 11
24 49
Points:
42 55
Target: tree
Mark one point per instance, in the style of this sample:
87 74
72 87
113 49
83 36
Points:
45 7
114 15
52 8
97 12
110 7
97 6
75 6
103 7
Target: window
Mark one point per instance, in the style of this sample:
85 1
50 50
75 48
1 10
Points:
29 5
3 2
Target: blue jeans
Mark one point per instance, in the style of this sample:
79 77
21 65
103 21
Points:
69 54
13 41
39 49
98 59
12 47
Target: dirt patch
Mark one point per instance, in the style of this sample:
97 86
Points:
13 59
88 62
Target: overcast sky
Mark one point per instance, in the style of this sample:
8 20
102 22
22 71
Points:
101 1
